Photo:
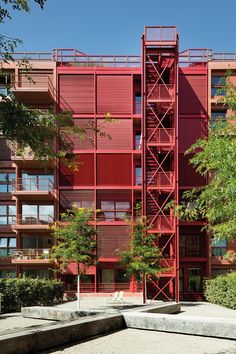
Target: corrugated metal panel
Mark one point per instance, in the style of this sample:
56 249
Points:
110 239
114 94
120 132
83 177
191 129
83 198
114 169
187 174
192 94
77 93
87 141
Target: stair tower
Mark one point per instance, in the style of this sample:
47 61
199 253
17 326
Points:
160 152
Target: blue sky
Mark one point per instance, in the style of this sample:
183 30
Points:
115 27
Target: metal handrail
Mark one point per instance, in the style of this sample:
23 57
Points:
34 219
160 34
31 253
162 179
25 81
32 184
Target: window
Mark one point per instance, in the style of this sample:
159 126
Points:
217 117
218 247
113 210
181 280
137 103
32 214
7 245
217 86
190 246
138 140
7 214
138 176
194 279
36 241
37 181
5 182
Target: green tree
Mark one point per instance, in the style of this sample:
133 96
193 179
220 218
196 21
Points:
142 256
214 157
75 241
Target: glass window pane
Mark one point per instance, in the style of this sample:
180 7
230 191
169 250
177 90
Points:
12 242
194 279
3 252
3 210
12 210
3 177
3 220
29 210
46 210
3 188
107 205
3 242
30 242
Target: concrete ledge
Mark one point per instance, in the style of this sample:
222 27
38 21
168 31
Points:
167 308
46 337
194 325
56 314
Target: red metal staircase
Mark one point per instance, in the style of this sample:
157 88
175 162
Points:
160 152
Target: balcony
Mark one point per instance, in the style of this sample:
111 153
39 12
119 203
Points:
33 188
30 256
161 137
27 159
162 223
33 89
161 180
32 222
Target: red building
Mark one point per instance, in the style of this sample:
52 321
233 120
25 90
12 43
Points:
161 103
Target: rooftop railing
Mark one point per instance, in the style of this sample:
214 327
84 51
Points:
74 57
160 34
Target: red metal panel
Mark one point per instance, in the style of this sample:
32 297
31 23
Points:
77 93
86 142
110 239
84 176
187 174
114 169
192 94
120 132
191 129
114 94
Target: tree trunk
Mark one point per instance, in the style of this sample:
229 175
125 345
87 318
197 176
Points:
144 288
78 291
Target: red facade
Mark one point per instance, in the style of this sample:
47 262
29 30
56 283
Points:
160 105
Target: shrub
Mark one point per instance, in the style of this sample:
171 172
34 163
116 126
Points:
20 292
222 290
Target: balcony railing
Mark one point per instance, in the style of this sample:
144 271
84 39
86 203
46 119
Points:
161 136
32 185
35 82
114 215
160 34
32 219
162 180
31 254
72 57
161 92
